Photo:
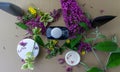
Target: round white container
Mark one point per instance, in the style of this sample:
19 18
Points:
27 45
72 58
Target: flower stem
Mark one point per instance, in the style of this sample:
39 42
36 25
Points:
98 59
84 65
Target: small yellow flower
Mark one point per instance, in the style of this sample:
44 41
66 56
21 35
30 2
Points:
32 10
83 52
68 41
55 41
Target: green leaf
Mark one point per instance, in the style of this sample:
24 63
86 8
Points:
84 25
30 66
29 54
117 50
95 69
114 39
36 30
38 39
67 45
61 50
88 40
22 25
24 66
106 46
46 18
75 41
102 36
114 60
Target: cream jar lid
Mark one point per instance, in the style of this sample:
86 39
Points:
72 58
27 45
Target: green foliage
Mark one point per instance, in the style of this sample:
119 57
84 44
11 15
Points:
75 41
54 49
28 61
95 69
84 25
28 16
89 40
36 31
46 18
106 46
114 60
38 39
114 39
22 25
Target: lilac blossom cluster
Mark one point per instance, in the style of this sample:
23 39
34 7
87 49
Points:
36 23
32 23
73 15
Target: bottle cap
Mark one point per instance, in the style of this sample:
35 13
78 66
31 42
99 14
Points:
56 32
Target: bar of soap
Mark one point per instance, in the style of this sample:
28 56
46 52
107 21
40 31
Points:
27 45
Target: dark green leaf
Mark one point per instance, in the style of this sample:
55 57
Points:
75 41
116 51
114 60
61 50
22 25
84 25
95 69
38 39
106 46
66 45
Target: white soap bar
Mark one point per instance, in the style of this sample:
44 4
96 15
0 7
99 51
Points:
27 45
56 32
72 58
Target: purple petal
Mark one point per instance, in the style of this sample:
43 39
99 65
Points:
23 43
61 60
69 69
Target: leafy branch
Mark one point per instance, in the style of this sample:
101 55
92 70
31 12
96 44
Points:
29 61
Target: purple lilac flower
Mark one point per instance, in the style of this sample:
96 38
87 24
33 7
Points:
23 43
61 60
73 15
69 69
36 23
84 46
56 14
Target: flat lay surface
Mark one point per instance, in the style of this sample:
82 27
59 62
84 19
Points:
11 35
